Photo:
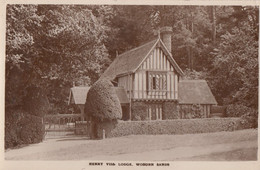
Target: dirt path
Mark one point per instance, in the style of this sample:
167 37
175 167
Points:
207 146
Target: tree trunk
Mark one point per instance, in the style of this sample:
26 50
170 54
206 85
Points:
213 12
191 50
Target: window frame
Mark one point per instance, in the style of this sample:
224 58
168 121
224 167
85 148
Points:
156 80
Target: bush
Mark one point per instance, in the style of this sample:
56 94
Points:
249 120
36 102
237 110
22 128
102 103
176 126
248 116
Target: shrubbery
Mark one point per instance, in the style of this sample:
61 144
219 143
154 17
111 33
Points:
176 126
22 128
24 124
236 110
248 116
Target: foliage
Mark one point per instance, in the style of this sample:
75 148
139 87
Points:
238 110
249 120
52 46
194 75
102 103
248 116
22 128
235 73
36 102
124 128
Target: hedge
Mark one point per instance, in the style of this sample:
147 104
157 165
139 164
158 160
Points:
22 128
177 126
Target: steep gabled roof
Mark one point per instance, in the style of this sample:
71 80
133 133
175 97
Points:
195 92
78 95
130 61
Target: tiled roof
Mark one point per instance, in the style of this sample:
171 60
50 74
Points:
128 61
78 95
195 92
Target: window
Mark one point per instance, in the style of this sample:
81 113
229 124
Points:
156 80
154 83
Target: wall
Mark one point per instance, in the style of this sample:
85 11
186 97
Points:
139 111
170 110
155 110
189 111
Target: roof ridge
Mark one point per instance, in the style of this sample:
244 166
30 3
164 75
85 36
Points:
138 47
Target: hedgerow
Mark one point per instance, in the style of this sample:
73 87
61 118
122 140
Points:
22 128
176 126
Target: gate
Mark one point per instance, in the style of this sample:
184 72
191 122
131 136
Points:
60 124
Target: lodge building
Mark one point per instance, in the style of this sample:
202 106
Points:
154 85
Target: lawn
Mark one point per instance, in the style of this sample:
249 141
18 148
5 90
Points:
236 145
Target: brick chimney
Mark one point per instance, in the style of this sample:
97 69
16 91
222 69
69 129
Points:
166 36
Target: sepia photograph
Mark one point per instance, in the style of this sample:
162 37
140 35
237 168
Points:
131 85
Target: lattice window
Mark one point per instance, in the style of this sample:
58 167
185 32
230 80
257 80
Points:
157 80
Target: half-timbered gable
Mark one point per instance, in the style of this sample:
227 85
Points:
157 77
147 72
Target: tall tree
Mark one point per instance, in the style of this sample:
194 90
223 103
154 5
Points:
47 44
235 73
